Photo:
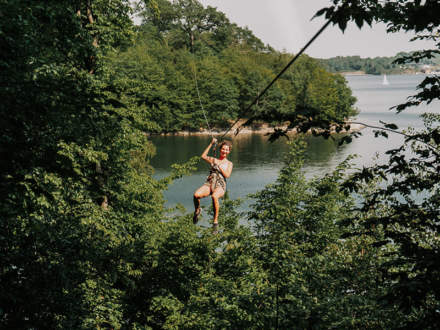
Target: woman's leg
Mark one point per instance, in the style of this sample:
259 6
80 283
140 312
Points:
203 191
216 195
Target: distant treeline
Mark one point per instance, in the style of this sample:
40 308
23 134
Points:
188 43
377 65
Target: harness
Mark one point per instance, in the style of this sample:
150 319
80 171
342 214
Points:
216 178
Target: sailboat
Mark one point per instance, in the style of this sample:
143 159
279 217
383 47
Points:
385 80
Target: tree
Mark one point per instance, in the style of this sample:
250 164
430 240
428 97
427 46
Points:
75 180
316 278
409 187
183 23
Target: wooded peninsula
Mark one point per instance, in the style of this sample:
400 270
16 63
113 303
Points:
191 51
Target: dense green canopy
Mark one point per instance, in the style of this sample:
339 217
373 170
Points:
85 240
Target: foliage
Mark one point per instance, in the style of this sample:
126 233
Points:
187 24
314 275
407 187
75 181
405 207
85 241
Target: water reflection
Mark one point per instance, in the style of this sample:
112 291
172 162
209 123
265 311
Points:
256 162
249 151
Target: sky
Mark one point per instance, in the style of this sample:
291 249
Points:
286 25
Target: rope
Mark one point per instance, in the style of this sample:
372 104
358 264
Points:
201 106
200 100
282 71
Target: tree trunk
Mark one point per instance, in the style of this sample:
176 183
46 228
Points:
91 21
95 37
78 12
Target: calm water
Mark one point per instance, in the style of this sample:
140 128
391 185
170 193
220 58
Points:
257 162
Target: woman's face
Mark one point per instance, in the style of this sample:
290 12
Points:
224 150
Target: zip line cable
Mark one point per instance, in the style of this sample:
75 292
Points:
282 71
270 84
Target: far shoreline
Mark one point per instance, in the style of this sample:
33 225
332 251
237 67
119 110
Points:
264 129
363 73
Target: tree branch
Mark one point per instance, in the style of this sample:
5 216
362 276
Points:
430 146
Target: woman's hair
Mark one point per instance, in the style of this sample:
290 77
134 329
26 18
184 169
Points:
226 143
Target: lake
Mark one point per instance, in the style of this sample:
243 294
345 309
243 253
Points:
257 162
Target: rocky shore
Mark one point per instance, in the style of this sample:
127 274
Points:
261 129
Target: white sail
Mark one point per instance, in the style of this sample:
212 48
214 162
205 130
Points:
385 80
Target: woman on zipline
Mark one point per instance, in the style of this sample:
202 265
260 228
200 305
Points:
215 184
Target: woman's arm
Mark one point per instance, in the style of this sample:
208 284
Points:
226 173
205 156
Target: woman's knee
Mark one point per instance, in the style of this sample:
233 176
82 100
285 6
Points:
200 193
216 196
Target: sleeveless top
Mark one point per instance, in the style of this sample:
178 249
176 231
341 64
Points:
216 179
